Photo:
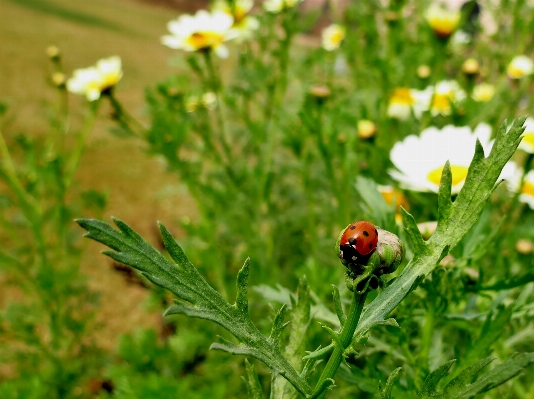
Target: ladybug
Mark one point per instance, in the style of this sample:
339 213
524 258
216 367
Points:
358 240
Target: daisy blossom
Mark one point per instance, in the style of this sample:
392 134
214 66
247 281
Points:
520 66
526 195
527 144
332 36
244 24
443 21
420 159
276 6
202 31
404 101
93 81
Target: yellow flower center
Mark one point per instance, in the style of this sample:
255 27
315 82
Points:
203 40
528 189
529 139
444 23
442 102
336 38
459 173
515 71
403 96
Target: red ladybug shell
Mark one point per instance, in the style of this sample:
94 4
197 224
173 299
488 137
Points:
362 236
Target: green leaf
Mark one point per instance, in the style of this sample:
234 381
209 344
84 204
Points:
491 331
413 231
252 382
492 379
338 306
300 321
431 382
386 392
196 297
374 204
452 226
467 385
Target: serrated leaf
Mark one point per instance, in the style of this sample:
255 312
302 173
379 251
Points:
300 320
338 306
454 388
252 382
464 212
196 297
491 331
410 226
386 392
497 376
444 193
278 325
432 380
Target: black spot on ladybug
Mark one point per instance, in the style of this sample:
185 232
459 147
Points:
352 241
370 245
376 232
365 233
352 227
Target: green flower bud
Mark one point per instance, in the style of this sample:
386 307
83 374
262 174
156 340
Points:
364 272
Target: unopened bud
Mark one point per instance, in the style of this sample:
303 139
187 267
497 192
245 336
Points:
524 246
366 129
423 71
52 52
471 67
59 79
320 91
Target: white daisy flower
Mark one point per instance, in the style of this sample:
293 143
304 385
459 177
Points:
93 81
420 159
527 144
404 101
446 93
483 92
332 36
515 173
202 31
520 66
244 24
443 21
276 6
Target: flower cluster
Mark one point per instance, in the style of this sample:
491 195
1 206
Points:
440 99
95 80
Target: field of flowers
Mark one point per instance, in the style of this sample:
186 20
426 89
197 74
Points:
346 191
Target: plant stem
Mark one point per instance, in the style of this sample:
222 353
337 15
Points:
428 331
345 337
74 160
215 84
125 119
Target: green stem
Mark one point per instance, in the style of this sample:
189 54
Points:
31 209
215 84
428 331
345 338
125 119
77 152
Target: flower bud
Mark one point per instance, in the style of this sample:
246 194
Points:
364 272
524 246
59 79
366 129
423 71
53 52
320 92
471 67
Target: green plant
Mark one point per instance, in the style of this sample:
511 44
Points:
196 298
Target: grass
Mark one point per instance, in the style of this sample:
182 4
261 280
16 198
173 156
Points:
85 32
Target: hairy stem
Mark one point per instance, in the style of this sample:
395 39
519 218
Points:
345 338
